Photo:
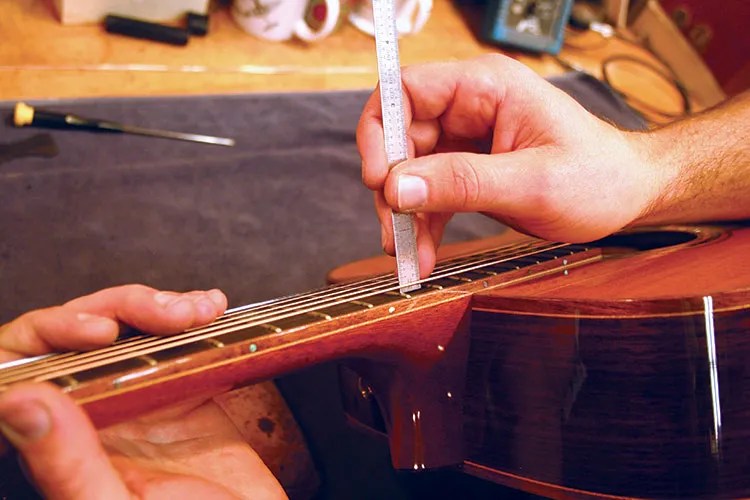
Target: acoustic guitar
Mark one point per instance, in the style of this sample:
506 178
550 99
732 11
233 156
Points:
618 368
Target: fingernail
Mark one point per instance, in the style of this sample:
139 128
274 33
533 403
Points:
25 422
216 297
166 298
412 192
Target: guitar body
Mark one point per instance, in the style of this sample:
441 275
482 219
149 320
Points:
619 368
627 377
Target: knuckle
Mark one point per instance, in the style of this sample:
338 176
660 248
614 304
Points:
495 61
32 319
487 103
492 58
371 181
139 288
414 72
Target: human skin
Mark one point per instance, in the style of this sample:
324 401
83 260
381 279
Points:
489 135
192 450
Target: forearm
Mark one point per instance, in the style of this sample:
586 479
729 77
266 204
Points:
704 165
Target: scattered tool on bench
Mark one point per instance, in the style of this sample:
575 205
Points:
26 115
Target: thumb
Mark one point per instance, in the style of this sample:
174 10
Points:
59 445
504 183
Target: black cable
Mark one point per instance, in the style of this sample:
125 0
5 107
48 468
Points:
667 76
571 66
672 77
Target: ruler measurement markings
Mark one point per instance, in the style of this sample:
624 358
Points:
394 131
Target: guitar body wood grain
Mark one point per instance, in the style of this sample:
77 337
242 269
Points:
629 377
619 368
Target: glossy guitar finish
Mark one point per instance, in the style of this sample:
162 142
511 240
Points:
629 377
610 369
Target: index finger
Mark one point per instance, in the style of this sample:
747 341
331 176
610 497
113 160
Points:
371 143
95 320
457 98
371 139
151 310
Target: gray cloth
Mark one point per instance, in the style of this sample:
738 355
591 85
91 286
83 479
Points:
265 218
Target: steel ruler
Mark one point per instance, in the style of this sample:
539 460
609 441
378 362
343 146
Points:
394 130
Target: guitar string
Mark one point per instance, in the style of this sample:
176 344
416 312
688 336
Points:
376 280
269 306
94 355
22 363
243 311
180 342
167 342
229 313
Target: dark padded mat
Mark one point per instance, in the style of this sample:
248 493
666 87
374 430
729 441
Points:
265 218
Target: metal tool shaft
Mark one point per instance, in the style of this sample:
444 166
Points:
25 115
182 136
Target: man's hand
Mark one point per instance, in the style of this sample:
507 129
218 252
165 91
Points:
191 451
95 320
491 136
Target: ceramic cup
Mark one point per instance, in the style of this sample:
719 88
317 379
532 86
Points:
279 20
411 15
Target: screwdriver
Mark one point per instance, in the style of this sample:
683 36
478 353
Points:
25 115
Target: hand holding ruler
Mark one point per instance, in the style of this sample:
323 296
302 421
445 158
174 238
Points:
394 131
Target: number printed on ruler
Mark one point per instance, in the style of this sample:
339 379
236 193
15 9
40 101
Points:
394 131
389 72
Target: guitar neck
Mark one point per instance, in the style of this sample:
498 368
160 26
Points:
368 318
618 379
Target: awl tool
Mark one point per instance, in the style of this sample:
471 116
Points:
25 115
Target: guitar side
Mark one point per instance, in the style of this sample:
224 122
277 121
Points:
623 378
572 371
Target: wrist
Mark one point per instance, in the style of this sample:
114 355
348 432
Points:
662 164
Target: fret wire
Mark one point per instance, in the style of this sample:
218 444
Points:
379 278
174 341
234 314
273 302
22 362
202 334
55 357
245 313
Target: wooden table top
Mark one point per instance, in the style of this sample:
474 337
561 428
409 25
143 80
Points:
46 59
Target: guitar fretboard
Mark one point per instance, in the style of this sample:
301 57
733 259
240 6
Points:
140 354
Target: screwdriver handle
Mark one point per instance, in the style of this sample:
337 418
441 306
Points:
24 115
27 115
138 28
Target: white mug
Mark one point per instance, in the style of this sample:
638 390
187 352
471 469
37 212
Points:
279 20
411 15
